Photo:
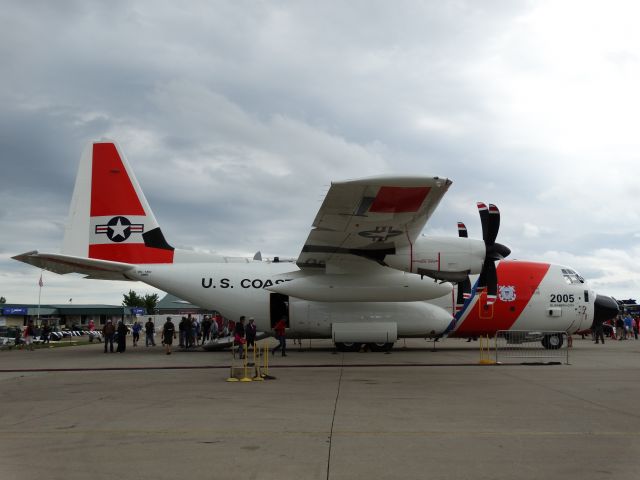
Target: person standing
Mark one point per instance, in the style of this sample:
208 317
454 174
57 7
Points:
206 329
168 334
250 333
238 337
29 333
122 337
150 330
191 332
136 332
108 331
620 328
628 327
198 331
46 332
280 329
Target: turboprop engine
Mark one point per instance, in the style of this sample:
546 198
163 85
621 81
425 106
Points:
444 258
454 259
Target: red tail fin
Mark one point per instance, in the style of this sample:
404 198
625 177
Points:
121 226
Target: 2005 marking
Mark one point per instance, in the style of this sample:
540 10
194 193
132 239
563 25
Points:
562 298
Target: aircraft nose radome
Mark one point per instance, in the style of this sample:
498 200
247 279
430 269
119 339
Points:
605 308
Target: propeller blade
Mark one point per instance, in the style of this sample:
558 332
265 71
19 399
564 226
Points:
493 224
482 279
492 281
462 230
488 280
483 210
490 220
464 291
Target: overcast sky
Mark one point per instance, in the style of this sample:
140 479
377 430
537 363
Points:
237 115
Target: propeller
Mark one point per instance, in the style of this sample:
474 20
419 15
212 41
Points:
490 220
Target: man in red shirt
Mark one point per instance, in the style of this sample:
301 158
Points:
280 329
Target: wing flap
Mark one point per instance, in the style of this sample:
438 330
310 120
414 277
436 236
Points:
63 264
371 217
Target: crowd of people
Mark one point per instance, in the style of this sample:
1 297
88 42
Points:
623 327
191 332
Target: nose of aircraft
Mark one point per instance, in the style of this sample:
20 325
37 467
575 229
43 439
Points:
605 308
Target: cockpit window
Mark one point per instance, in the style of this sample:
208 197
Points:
571 276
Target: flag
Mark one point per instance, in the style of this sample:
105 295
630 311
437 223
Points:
40 281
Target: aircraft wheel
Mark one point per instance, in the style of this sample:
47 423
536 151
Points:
380 347
348 346
552 342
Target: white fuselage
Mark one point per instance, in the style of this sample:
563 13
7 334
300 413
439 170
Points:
240 289
532 296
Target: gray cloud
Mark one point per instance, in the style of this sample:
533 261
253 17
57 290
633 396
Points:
236 116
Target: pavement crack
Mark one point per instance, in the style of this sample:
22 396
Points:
333 418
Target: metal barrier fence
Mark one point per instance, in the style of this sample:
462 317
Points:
520 346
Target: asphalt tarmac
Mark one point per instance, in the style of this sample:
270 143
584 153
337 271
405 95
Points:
77 413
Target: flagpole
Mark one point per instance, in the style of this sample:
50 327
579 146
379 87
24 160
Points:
39 296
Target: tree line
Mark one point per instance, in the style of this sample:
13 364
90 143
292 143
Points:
149 301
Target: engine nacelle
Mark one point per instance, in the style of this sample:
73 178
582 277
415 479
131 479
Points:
444 258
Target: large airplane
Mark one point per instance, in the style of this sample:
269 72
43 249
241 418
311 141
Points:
365 274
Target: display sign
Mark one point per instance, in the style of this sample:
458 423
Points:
14 310
137 311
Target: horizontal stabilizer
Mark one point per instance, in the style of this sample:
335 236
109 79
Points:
63 264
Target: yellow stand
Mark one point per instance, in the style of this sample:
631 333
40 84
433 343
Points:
258 375
232 378
265 370
246 377
485 352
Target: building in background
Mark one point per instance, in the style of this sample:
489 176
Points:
66 315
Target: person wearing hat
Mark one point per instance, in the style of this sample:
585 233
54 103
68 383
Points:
108 332
250 333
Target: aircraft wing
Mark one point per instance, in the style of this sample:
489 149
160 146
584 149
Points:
62 264
371 218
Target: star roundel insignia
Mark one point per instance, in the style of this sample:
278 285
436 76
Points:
380 234
119 229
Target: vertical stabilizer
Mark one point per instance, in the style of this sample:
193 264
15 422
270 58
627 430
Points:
110 218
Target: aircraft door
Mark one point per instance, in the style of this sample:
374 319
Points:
581 315
279 306
485 310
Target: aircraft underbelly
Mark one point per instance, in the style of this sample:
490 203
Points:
412 319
